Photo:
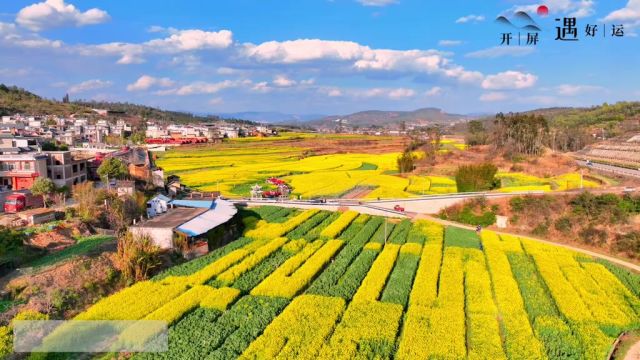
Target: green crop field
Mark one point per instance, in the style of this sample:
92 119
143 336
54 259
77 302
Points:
314 284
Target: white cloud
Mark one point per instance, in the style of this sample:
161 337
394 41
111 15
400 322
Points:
361 58
401 93
189 62
262 87
574 8
628 15
493 96
573 90
509 80
499 51
89 85
436 90
56 13
301 50
449 42
201 87
12 36
216 101
310 81
145 82
470 18
334 93
227 71
188 40
283 81
378 3
179 42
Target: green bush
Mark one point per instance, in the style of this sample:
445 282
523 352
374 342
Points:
628 243
563 224
593 236
477 177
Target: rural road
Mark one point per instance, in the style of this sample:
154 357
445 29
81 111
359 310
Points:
431 203
610 168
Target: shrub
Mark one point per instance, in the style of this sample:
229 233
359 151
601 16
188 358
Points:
477 177
628 243
563 224
593 236
138 256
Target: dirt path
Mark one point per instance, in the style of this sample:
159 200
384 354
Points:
633 353
357 193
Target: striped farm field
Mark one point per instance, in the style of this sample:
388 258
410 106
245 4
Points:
235 167
310 284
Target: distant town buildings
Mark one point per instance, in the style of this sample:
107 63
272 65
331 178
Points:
68 150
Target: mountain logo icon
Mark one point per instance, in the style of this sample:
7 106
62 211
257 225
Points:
520 17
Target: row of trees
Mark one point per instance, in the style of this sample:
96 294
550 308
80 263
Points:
520 133
559 129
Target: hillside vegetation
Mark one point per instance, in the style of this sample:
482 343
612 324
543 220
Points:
17 100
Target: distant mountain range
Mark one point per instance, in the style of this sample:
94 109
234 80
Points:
425 116
272 117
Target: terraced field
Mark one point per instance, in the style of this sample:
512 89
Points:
233 168
313 284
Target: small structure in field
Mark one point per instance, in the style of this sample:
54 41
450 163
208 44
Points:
37 216
159 204
256 192
501 221
191 226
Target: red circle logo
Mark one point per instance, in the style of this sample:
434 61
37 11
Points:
543 10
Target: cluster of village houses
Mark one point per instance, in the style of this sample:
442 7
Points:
69 151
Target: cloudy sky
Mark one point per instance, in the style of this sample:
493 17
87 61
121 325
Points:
319 56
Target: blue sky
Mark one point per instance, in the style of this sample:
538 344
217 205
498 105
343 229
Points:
318 56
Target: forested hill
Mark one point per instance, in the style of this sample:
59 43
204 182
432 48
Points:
600 115
16 100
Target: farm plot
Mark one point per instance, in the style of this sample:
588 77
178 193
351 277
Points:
326 285
234 169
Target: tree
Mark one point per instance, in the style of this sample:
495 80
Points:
477 134
138 138
405 162
11 242
112 168
432 144
43 187
521 133
477 177
138 256
122 210
87 199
